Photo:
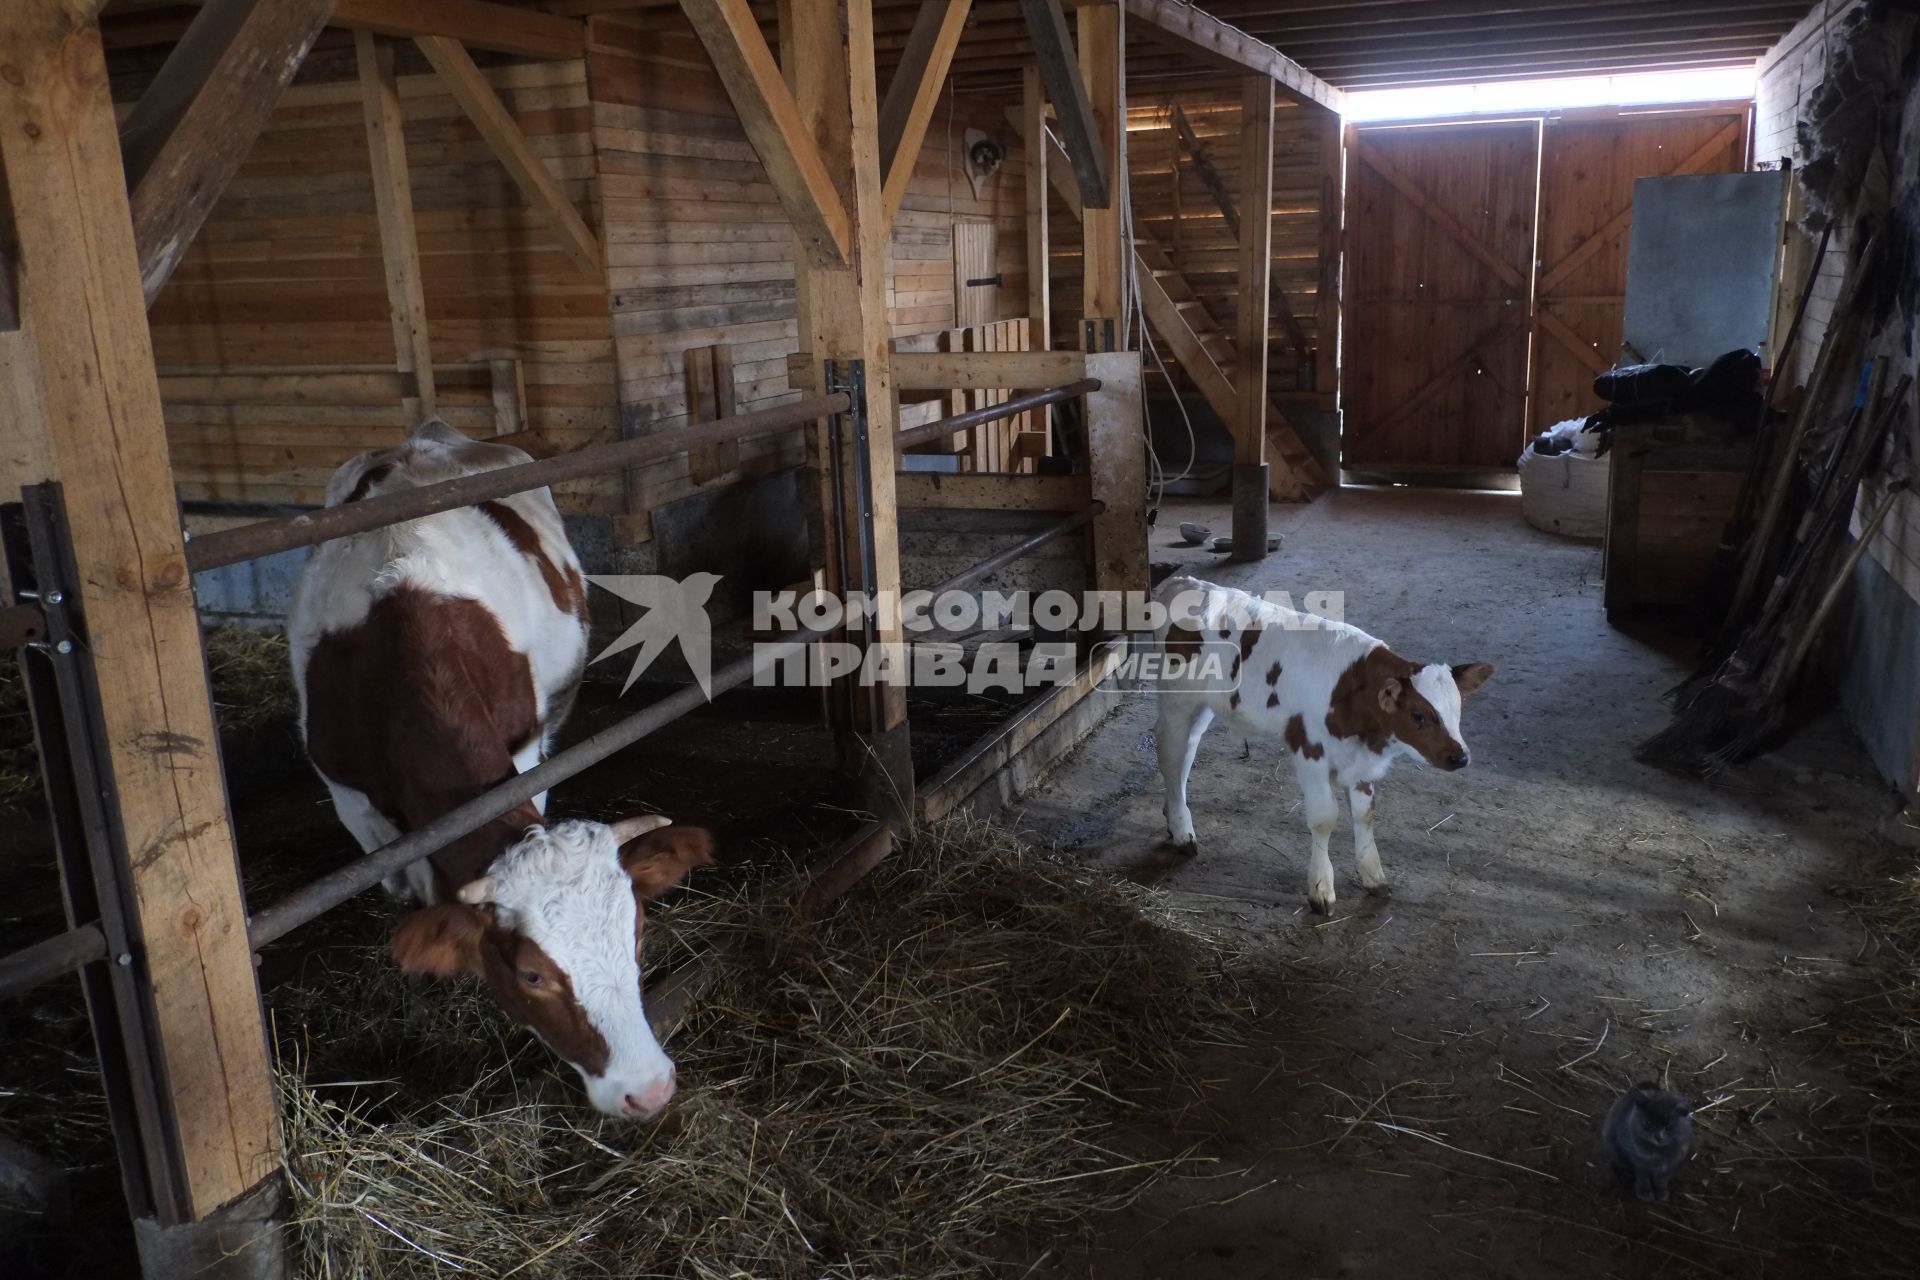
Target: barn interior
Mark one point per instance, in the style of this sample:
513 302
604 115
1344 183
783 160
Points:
1574 338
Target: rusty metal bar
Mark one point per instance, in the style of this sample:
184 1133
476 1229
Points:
249 542
944 427
52 958
1026 546
328 892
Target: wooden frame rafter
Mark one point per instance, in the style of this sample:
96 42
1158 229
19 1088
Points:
393 206
1061 73
1191 30
913 93
193 127
478 24
497 125
774 124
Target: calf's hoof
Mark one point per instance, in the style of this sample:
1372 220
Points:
1321 906
1378 889
1189 849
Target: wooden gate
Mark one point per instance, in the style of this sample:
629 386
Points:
1587 170
1439 275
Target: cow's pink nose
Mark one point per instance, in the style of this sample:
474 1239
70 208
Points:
647 1102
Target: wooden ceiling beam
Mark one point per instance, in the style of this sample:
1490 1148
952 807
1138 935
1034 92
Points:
1414 79
193 127
1067 90
1522 60
476 23
1497 52
912 95
771 117
1596 20
1197 33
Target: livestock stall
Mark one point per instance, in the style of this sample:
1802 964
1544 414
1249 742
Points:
867 272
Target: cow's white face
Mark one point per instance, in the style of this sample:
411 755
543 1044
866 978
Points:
554 930
1424 713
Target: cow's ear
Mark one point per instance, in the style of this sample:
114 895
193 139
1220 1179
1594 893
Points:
1469 676
1390 691
440 941
661 859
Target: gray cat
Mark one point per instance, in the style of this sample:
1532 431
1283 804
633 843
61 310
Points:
1648 1133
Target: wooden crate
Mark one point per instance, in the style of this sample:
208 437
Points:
1670 493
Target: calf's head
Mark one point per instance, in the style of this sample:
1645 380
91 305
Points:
553 929
1423 709
1388 702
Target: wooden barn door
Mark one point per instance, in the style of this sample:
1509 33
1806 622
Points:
1440 225
976 285
1587 170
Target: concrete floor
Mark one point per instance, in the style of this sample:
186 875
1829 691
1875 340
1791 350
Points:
1562 921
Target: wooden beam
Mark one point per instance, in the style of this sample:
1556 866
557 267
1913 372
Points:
1033 141
1117 472
393 203
1326 299
950 370
991 491
827 54
913 93
1105 251
196 122
1420 200
1256 267
82 370
1563 333
1193 31
1082 136
476 23
497 125
775 125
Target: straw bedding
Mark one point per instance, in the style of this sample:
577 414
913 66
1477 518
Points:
915 1081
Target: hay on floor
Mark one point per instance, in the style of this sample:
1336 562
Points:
934 1072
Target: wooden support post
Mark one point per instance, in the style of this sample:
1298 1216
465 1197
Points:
1033 140
1076 101
79 380
1106 253
843 316
393 202
528 171
914 92
1117 453
196 122
1256 276
1326 302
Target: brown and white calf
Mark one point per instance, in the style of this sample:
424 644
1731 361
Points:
1345 705
436 659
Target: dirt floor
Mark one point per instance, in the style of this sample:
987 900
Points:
1562 921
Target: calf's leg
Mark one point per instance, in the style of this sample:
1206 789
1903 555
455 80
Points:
1366 854
1323 810
1183 722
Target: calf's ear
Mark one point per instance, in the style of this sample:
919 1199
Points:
440 941
661 858
1469 676
1390 693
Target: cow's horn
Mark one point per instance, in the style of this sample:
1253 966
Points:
633 828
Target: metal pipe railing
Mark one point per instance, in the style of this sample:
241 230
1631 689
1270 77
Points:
1026 545
328 892
249 542
944 427
53 958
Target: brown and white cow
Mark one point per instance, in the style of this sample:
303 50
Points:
436 659
1345 705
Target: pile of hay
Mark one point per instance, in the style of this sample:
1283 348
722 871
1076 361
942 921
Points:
251 688
928 1076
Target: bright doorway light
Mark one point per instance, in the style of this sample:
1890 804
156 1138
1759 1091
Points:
1498 97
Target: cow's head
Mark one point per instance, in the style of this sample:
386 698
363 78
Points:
553 928
1422 709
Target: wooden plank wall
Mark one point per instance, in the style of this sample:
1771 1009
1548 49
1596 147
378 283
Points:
287 276
699 252
287 273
